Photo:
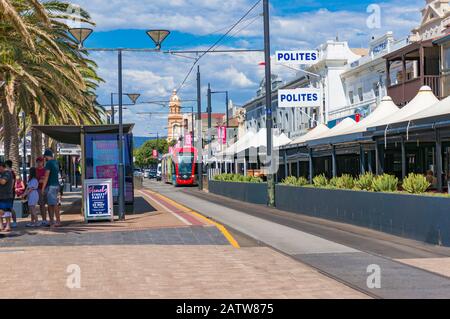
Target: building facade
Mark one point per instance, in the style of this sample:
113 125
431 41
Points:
175 118
294 122
364 80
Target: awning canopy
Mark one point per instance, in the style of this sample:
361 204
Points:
255 140
260 139
71 134
339 129
438 109
423 100
382 112
320 129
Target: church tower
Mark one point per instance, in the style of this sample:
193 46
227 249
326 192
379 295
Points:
175 119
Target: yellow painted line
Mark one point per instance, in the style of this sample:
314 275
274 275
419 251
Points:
220 227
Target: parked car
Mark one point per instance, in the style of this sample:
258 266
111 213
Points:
158 173
147 173
152 173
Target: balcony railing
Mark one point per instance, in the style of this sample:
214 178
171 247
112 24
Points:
402 93
434 82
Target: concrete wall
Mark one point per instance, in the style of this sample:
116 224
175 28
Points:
423 218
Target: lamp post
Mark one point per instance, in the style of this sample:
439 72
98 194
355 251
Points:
269 120
199 131
158 36
227 103
132 96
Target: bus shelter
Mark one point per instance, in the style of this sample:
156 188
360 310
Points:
99 153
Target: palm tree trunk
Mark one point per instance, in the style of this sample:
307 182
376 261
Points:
11 127
46 141
36 140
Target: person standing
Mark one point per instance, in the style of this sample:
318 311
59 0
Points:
50 187
40 175
9 165
6 192
32 195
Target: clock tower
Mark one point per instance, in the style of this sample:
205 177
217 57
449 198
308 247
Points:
175 119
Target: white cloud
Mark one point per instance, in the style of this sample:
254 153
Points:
154 76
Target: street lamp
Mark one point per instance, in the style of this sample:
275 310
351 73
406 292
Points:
80 34
158 36
132 96
269 120
227 103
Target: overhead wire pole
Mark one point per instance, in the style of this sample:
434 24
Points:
199 131
269 122
121 164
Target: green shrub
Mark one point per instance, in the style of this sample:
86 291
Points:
294 181
301 181
333 182
290 180
237 178
345 182
385 183
365 182
415 184
320 181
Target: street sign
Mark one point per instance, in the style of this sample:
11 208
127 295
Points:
305 57
155 153
301 97
98 200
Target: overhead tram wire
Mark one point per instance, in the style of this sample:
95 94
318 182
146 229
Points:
217 42
215 32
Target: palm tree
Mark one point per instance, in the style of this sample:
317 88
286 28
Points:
46 76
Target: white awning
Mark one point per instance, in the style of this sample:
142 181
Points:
440 108
242 144
343 126
422 101
383 111
260 139
314 133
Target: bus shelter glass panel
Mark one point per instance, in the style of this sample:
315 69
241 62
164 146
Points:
102 161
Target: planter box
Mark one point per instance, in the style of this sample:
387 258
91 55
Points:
423 218
255 193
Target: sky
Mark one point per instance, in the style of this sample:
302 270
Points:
197 24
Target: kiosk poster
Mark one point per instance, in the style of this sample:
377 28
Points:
98 199
106 158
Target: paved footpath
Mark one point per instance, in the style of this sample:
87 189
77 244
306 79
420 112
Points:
165 251
402 278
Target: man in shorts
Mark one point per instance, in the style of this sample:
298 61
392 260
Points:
40 175
50 187
6 192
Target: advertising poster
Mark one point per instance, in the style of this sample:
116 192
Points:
106 159
98 199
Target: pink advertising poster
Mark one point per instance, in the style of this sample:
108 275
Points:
106 157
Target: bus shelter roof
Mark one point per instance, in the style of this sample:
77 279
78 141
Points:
71 134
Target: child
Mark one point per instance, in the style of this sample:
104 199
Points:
32 195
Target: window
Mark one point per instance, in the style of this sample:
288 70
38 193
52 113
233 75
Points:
360 94
447 58
350 97
376 89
